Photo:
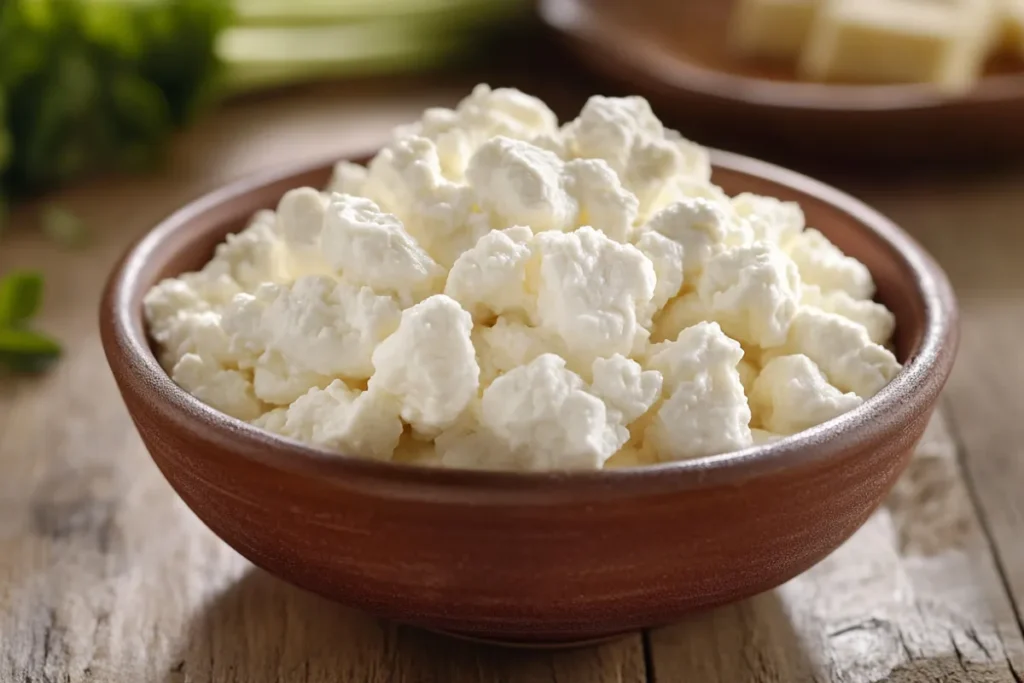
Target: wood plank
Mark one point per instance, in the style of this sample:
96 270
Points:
104 574
974 225
914 596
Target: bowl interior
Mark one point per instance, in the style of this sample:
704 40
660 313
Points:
840 218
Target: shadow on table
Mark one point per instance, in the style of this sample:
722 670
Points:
264 630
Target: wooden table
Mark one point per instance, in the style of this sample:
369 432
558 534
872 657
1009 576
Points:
106 576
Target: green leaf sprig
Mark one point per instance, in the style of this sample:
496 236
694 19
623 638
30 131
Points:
22 349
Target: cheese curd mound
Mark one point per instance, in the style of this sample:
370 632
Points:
496 291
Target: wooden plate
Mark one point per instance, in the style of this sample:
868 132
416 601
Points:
674 52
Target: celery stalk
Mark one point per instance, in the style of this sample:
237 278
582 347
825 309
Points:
256 58
262 56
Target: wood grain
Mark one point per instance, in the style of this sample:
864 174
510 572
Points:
106 576
975 226
913 596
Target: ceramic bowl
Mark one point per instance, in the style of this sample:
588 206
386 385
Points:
537 558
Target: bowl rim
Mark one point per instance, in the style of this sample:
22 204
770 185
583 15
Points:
630 53
912 392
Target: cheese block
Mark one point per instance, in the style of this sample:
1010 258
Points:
771 28
1010 26
942 42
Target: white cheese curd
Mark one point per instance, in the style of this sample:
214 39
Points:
493 291
272 420
229 391
748 374
364 423
702 227
276 381
542 416
698 347
429 364
843 351
481 116
368 247
299 224
705 411
604 204
518 183
252 257
791 394
770 220
347 178
625 386
405 179
508 344
682 312
173 310
822 264
522 184
625 132
876 318
299 220
680 188
591 291
667 258
491 279
316 324
753 292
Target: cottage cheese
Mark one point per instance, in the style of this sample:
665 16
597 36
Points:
624 132
590 292
753 292
821 263
405 179
705 410
429 364
792 394
843 350
494 292
485 114
702 227
317 324
491 278
362 422
368 247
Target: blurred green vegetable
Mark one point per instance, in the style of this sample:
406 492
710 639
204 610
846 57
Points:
91 84
21 294
21 349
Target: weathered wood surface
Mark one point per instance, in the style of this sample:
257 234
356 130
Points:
106 576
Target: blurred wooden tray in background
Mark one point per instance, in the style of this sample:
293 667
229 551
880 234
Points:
674 52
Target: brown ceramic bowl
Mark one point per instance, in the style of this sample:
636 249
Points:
675 52
536 558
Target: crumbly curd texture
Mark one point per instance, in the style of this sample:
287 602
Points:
498 291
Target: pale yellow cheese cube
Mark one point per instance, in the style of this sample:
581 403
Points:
942 42
1010 25
771 28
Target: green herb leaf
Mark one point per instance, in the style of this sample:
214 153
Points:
27 351
63 227
21 293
